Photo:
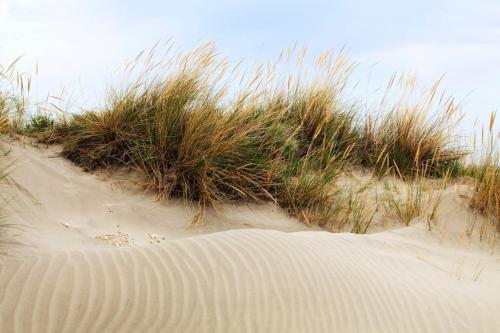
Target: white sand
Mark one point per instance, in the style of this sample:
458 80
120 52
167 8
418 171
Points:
65 275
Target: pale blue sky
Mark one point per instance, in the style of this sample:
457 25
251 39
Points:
78 44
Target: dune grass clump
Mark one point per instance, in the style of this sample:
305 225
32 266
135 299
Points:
486 175
355 208
14 96
415 197
309 193
413 132
175 131
407 204
322 120
190 141
284 139
38 123
486 197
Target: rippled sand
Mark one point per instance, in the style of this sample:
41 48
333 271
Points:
63 275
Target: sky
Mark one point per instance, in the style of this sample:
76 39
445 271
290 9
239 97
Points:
79 45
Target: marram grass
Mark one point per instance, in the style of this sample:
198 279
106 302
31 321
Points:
486 175
196 129
190 142
412 133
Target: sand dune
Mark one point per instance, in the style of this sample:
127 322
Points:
249 280
61 278
58 206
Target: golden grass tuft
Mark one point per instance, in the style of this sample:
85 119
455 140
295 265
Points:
406 204
412 132
486 174
190 141
196 129
15 89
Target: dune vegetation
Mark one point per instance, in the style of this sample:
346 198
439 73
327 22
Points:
196 128
486 174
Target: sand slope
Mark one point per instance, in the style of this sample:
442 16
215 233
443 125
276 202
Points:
58 206
63 279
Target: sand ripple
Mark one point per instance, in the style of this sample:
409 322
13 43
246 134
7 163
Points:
244 281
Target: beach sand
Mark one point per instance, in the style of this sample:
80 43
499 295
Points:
91 254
